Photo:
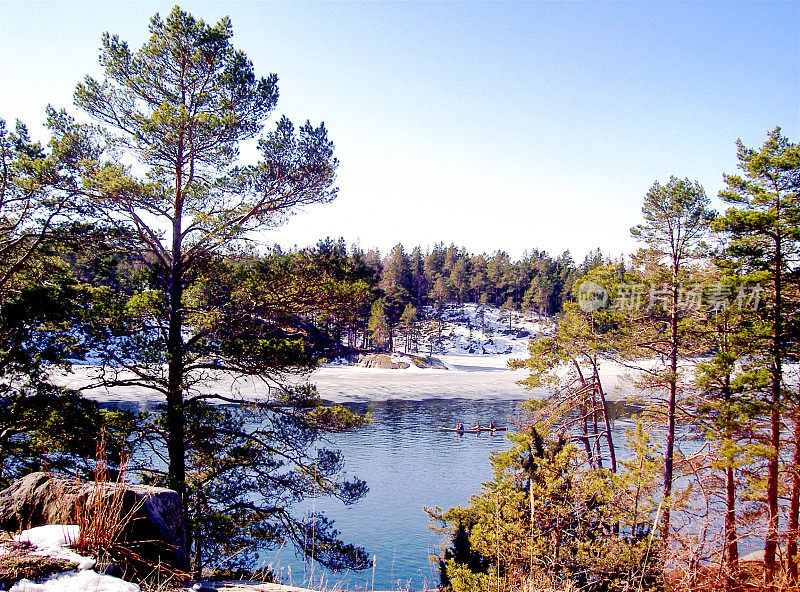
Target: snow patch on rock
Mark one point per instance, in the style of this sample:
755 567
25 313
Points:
55 540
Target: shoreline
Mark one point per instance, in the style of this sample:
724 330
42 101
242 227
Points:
483 377
472 377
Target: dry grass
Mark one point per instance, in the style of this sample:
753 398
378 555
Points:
104 523
101 515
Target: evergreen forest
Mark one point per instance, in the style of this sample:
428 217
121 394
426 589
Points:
135 241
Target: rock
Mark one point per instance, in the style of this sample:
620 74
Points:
400 361
435 363
17 565
383 361
110 569
155 530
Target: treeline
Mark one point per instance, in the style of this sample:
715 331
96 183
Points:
392 292
334 298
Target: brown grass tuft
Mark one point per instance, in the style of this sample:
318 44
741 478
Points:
100 515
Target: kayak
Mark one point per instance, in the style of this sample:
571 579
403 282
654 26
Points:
474 430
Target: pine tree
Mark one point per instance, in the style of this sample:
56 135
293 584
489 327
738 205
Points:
728 401
408 326
459 278
379 328
396 274
763 227
178 110
419 284
569 362
677 219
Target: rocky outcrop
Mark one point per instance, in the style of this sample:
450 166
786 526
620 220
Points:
154 521
399 361
384 361
429 362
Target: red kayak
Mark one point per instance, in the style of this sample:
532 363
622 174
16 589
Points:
474 430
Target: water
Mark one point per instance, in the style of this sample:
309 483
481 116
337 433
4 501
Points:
409 464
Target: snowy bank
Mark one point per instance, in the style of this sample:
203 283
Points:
54 541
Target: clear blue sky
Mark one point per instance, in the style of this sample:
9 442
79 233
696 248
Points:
491 125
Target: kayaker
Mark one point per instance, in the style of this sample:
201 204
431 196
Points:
492 426
459 426
478 427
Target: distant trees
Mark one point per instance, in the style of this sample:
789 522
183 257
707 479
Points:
431 281
408 326
396 280
332 314
380 330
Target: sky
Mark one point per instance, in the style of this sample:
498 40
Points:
491 125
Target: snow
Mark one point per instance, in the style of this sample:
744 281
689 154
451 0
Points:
54 540
82 581
477 360
51 536
464 333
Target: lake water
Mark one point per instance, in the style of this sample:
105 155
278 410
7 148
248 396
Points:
409 464
406 459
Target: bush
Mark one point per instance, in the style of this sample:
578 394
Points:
548 517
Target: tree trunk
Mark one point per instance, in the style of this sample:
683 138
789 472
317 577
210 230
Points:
584 419
730 537
669 449
794 504
175 414
731 543
771 542
595 429
612 455
197 559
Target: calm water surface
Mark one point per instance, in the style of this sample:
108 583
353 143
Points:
409 463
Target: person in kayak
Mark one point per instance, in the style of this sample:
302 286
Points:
492 426
459 426
478 427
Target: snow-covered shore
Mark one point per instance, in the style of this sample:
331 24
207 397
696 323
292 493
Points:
475 350
472 376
